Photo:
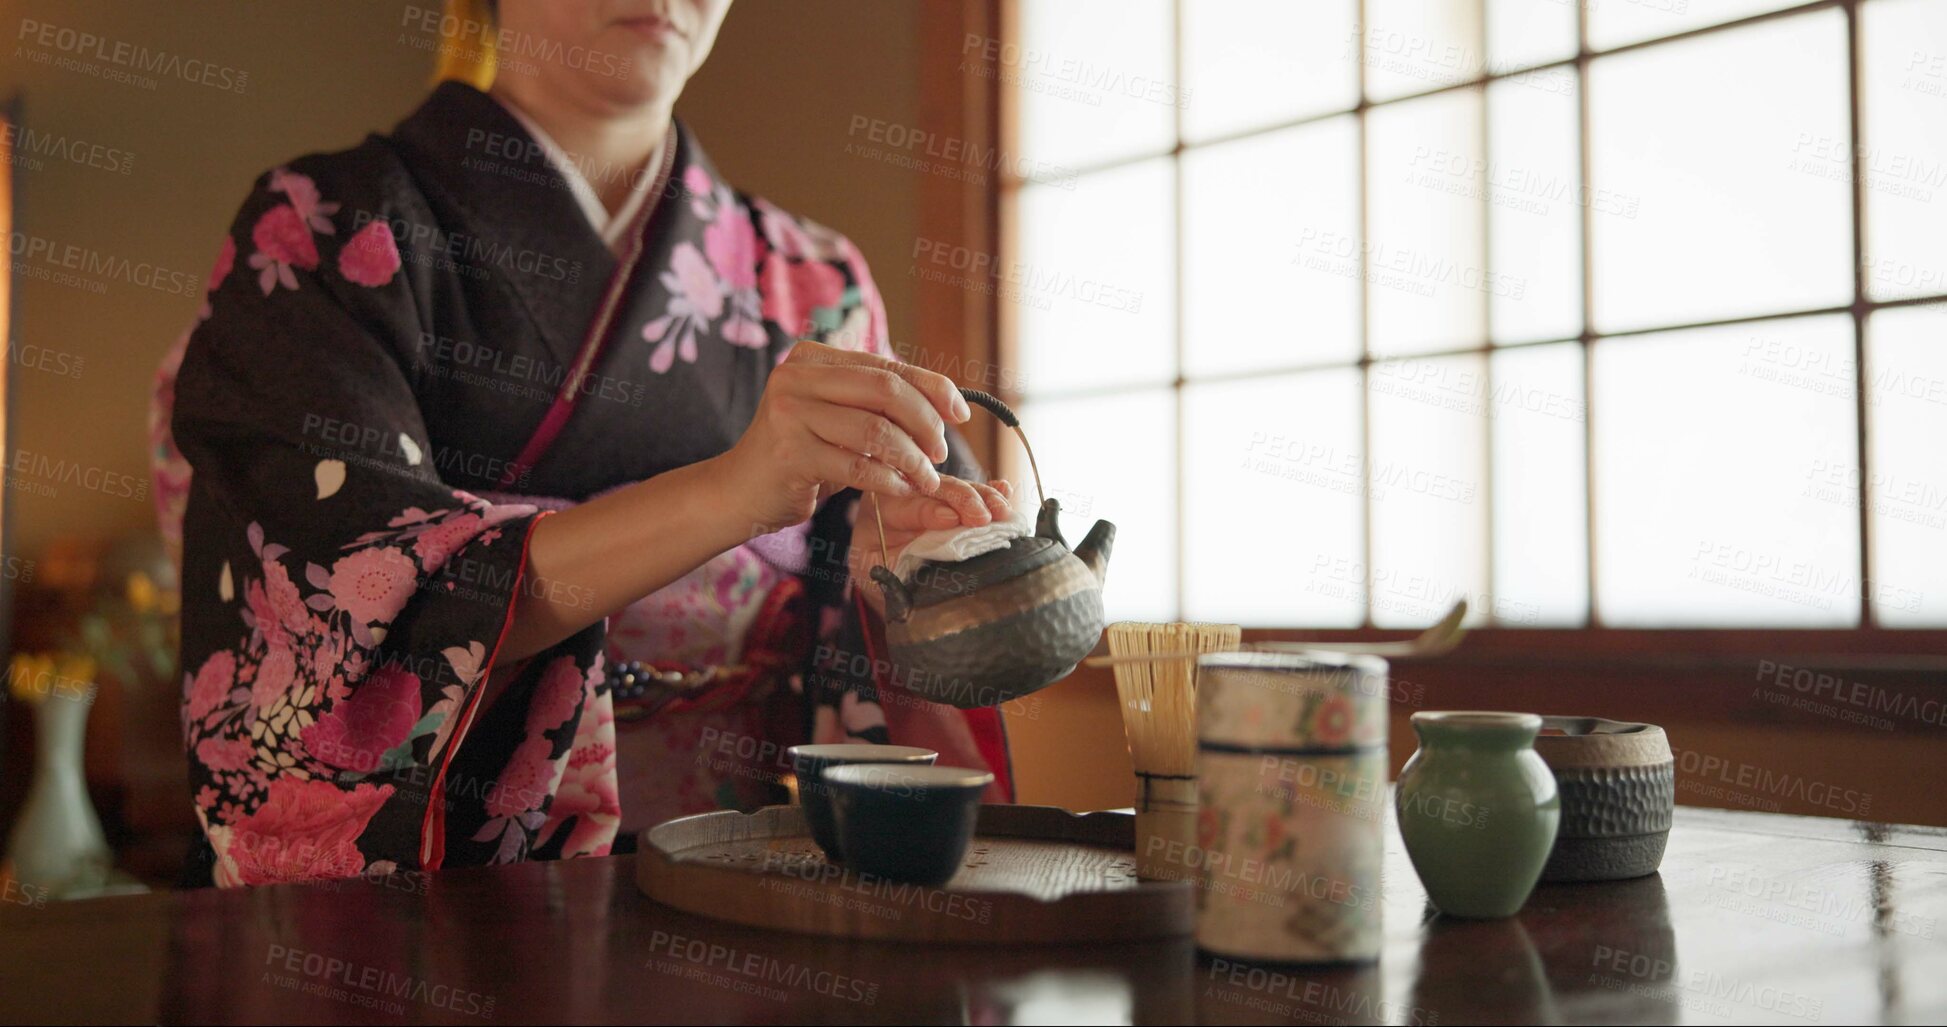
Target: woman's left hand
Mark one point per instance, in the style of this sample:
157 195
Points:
909 517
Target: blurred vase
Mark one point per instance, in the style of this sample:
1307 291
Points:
57 845
1478 810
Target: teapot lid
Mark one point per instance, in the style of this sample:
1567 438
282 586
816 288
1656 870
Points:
936 581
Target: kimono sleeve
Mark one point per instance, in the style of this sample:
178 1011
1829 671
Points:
342 606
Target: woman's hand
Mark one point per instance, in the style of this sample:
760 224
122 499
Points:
909 517
832 419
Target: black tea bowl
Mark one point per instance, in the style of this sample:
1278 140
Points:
809 762
906 823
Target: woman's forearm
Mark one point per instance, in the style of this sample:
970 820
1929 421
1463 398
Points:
592 560
828 419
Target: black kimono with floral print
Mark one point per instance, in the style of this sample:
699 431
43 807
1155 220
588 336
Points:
338 443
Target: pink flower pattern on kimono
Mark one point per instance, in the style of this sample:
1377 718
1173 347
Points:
731 243
303 194
785 235
732 282
282 234
556 697
274 676
262 618
226 753
587 795
697 182
282 612
211 685
534 774
289 718
695 299
695 284
371 258
794 290
376 718
283 242
876 337
372 585
798 238
303 831
736 584
438 543
689 619
523 785
666 779
855 333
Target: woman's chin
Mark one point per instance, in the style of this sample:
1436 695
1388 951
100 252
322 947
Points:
644 86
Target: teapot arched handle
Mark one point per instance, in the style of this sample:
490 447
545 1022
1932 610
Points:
992 404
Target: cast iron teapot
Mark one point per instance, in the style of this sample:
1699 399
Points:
995 627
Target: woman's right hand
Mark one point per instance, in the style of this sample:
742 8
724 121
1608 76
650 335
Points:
832 419
823 411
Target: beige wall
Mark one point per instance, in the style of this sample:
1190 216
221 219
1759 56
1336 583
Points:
317 79
771 107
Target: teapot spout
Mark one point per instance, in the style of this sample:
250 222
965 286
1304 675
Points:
1095 547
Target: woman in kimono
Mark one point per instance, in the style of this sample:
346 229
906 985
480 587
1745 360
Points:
514 516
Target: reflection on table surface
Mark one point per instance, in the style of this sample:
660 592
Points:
1754 918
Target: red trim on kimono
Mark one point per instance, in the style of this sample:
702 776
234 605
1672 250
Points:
432 829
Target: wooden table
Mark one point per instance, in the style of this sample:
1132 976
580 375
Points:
1754 918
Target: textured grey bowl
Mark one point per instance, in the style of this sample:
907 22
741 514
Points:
1619 791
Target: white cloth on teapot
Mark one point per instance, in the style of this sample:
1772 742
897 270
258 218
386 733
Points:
951 545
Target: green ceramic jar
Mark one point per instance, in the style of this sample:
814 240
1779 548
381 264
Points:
1478 810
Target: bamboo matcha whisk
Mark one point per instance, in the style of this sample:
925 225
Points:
1159 714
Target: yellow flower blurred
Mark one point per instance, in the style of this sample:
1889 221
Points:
26 669
33 677
142 593
76 669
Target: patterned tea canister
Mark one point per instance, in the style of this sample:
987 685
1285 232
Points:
1291 790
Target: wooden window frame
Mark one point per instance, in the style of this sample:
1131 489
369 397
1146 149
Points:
979 329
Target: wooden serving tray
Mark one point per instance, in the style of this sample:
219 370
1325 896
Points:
1033 875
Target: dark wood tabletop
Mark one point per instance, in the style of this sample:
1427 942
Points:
1754 918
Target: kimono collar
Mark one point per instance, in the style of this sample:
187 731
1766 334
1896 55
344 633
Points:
483 170
612 226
